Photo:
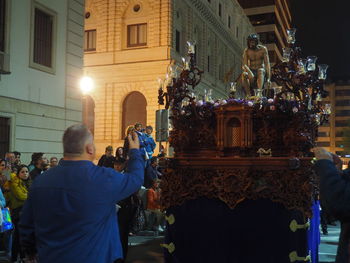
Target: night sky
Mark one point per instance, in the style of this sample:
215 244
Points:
323 30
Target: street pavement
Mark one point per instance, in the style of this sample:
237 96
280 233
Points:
329 244
145 248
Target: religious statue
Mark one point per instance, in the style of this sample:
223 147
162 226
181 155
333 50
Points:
256 65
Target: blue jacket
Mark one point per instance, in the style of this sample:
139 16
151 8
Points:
151 145
143 142
70 213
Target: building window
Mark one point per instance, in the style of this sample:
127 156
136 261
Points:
341 123
137 35
342 113
229 21
255 3
323 134
337 134
90 40
342 103
2 25
342 92
137 8
220 10
43 39
177 41
323 144
263 19
134 110
4 135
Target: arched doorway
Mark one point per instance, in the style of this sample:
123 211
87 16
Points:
134 110
89 113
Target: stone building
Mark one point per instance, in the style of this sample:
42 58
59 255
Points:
331 133
41 61
129 44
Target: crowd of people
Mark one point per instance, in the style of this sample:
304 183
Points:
15 181
138 211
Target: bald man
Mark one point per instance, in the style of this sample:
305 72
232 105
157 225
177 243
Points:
70 212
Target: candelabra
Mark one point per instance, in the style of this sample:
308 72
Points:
298 79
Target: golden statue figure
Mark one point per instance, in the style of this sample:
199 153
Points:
256 65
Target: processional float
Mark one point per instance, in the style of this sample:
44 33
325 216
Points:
240 186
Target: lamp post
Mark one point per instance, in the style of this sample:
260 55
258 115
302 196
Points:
86 85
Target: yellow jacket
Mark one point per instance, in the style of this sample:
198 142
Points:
18 192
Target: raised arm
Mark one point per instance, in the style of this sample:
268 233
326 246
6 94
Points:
123 185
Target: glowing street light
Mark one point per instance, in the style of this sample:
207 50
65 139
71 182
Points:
86 84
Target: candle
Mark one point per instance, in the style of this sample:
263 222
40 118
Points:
191 47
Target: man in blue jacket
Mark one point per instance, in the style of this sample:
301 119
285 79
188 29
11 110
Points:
70 213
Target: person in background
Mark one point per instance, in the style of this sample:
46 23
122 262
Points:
5 178
4 173
106 160
45 161
335 196
119 165
151 173
17 158
142 139
161 153
46 167
119 154
151 145
126 212
10 158
3 205
18 195
5 183
31 166
39 162
53 162
153 205
73 205
129 130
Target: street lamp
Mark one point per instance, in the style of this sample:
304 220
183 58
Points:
86 85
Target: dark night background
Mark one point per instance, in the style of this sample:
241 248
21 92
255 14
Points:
323 30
